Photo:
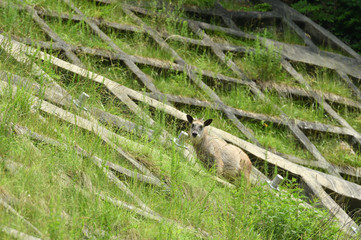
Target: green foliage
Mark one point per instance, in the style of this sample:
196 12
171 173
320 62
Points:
263 7
235 5
200 3
20 24
263 63
290 220
341 17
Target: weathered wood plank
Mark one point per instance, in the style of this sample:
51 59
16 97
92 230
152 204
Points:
323 59
106 1
351 85
286 90
300 33
218 10
17 51
163 44
17 234
10 166
199 232
51 93
345 222
145 178
18 215
98 21
98 162
121 123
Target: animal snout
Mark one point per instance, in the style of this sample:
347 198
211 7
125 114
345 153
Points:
194 134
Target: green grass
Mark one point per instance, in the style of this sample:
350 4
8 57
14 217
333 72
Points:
169 25
228 4
336 150
240 97
45 185
325 80
140 44
53 5
114 70
224 38
277 138
19 24
176 83
351 115
262 64
131 43
200 3
272 31
108 12
286 36
76 33
246 6
202 58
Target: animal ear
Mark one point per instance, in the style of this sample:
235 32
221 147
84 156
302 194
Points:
208 122
190 119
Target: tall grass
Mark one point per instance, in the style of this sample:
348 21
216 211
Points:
44 188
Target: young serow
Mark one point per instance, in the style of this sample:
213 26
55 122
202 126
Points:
230 161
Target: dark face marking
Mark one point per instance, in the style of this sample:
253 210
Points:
197 127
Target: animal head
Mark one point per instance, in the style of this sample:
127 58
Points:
197 127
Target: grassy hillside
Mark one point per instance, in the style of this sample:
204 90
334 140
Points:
67 195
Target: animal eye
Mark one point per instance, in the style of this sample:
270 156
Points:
200 127
192 125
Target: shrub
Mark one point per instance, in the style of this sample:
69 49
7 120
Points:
263 63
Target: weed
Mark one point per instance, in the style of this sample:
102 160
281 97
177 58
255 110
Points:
18 105
263 63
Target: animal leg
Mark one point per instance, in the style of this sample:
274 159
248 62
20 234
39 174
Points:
219 165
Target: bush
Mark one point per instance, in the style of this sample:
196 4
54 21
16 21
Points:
282 216
263 63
